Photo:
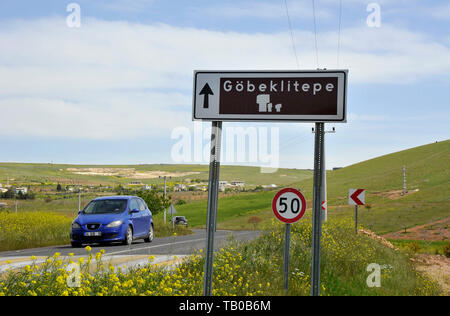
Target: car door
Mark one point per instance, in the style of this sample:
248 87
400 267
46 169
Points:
136 217
146 217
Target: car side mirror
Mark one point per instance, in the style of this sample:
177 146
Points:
134 211
79 212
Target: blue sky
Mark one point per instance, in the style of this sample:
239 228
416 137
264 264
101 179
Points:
114 90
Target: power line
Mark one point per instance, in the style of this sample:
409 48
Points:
315 33
292 34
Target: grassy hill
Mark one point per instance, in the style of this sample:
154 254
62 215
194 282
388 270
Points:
427 170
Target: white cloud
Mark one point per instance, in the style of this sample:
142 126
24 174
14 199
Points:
112 80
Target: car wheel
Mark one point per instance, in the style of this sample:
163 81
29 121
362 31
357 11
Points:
76 244
151 234
128 236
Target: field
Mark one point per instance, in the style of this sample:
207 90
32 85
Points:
51 174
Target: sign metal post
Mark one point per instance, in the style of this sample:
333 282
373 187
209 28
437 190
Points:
317 209
287 243
356 197
213 191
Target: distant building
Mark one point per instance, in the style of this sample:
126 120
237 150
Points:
22 190
3 190
135 183
147 187
239 184
180 187
222 185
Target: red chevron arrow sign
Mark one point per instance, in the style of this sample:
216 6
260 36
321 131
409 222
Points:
356 196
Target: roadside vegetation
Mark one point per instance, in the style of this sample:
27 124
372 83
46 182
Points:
441 248
253 268
40 229
32 230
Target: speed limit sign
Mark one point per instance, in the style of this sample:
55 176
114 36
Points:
289 205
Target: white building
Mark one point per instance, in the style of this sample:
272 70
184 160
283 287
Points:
180 187
22 190
239 184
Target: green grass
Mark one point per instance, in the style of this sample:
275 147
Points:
228 207
421 246
166 230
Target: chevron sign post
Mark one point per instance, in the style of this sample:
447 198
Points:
356 197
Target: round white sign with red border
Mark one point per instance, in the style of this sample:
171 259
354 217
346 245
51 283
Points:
289 205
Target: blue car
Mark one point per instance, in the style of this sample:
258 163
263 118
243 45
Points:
113 219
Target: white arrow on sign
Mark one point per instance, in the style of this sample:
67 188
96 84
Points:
356 196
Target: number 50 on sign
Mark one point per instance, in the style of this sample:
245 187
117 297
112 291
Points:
289 205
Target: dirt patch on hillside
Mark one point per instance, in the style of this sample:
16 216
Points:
395 194
437 268
380 239
130 173
435 231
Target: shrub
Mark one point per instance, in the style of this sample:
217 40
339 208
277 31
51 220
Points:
181 202
446 249
255 220
155 200
413 247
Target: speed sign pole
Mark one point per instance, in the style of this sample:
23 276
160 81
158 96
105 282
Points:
287 246
289 206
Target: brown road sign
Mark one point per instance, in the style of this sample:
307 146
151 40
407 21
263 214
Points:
318 96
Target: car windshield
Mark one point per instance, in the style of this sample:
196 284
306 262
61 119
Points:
106 207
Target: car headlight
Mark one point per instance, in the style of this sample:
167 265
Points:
114 224
75 225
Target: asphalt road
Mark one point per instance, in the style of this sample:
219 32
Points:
180 245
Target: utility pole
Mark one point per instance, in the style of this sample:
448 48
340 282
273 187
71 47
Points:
317 209
324 179
165 192
404 180
79 198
